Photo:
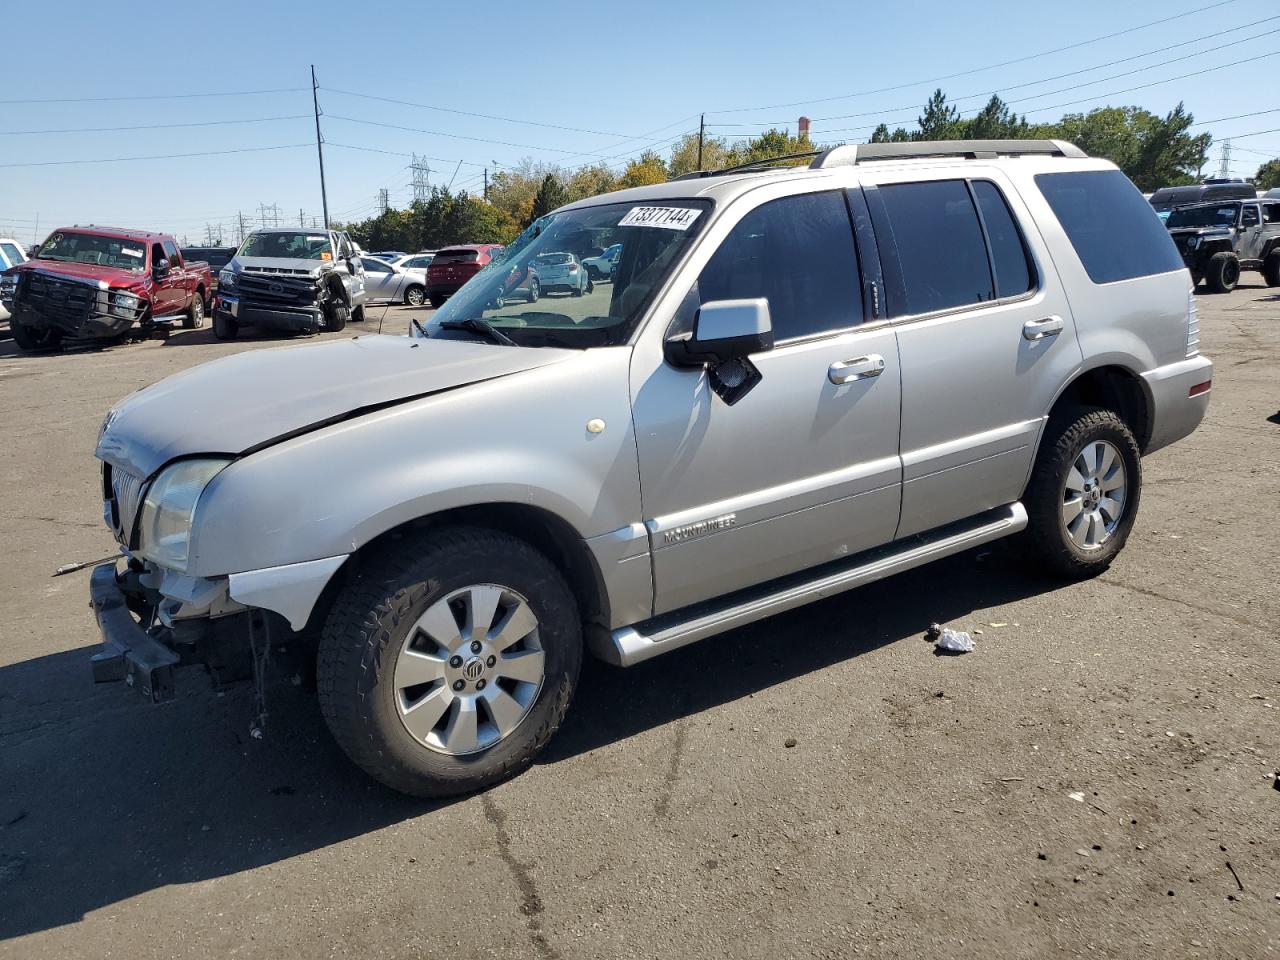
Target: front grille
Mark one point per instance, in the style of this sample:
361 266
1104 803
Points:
278 290
126 500
57 298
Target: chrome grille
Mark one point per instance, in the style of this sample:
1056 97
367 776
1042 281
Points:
126 492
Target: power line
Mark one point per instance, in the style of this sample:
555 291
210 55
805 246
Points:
153 126
157 156
1238 116
161 96
469 113
993 66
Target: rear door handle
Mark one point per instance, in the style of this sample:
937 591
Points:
1039 329
862 368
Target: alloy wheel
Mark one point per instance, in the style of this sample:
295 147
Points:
469 670
1094 495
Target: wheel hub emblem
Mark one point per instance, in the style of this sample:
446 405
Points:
473 668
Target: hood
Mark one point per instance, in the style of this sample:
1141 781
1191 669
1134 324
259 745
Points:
311 268
88 272
251 400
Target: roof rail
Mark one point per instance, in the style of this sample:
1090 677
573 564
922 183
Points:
854 153
746 167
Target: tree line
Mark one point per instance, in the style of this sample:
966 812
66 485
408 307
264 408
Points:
1154 151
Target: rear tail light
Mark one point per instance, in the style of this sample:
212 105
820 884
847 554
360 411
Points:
1193 328
1200 388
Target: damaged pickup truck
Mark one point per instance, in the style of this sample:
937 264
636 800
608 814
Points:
290 281
102 283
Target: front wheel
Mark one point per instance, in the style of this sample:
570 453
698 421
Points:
1223 272
448 662
535 290
1084 491
335 318
1271 269
224 325
32 341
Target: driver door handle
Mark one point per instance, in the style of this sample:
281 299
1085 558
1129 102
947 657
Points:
1039 329
862 368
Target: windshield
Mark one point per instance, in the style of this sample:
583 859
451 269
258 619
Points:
579 311
1221 215
100 251
293 245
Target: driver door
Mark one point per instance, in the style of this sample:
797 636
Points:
803 469
1250 232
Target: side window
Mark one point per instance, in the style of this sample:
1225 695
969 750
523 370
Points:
157 254
1249 216
798 253
1109 225
939 242
1008 250
373 265
1271 212
171 251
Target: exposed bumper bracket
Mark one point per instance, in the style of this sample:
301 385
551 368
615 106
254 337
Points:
129 653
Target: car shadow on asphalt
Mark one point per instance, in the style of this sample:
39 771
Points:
106 798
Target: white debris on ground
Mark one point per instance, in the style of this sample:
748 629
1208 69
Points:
955 641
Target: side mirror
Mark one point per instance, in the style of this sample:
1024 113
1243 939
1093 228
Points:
725 334
161 268
723 330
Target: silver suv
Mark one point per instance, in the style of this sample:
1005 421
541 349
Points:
800 380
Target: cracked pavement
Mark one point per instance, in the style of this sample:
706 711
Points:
925 809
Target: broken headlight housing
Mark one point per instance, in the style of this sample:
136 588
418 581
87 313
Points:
164 534
123 304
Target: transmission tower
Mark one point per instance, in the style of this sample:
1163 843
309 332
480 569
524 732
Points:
421 171
269 211
383 201
1224 165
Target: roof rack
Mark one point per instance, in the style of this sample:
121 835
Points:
854 153
747 167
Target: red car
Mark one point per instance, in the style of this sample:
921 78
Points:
98 282
454 266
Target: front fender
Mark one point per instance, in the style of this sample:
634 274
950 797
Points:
519 439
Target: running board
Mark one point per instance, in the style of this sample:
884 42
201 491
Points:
630 645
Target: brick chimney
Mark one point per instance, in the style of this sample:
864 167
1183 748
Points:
804 127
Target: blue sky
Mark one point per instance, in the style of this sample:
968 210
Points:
634 75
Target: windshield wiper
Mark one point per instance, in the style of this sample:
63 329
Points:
482 327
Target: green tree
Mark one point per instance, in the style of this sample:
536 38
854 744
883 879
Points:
881 134
995 121
591 181
551 194
939 120
770 144
646 169
684 155
1268 175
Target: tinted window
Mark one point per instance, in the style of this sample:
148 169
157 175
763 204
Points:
372 265
1109 225
1271 212
798 253
456 256
940 246
1008 251
1250 216
171 251
417 262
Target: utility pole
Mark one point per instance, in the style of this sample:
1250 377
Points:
302 218
421 171
273 210
240 217
1224 165
486 183
315 102
383 201
702 129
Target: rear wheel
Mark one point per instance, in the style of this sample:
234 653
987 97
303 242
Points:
1223 272
224 325
1084 491
194 317
448 662
416 295
437 301
34 341
535 290
1271 268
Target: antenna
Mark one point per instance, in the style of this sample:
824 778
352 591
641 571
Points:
421 171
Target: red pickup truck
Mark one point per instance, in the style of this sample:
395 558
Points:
98 283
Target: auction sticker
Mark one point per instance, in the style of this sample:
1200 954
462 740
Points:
668 218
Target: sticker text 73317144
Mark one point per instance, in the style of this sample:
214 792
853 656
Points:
668 218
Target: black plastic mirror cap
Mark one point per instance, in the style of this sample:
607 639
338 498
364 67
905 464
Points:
683 351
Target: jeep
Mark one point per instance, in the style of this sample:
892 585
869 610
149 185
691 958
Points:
800 380
1217 240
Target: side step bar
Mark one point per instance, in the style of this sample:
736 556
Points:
630 645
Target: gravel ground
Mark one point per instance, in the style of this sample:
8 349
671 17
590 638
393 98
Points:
1095 779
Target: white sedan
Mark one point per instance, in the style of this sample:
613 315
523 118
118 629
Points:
387 281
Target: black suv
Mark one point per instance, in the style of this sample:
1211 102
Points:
1219 239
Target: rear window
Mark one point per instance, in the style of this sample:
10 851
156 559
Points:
1113 230
456 256
551 259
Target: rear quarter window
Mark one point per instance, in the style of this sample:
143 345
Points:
1113 230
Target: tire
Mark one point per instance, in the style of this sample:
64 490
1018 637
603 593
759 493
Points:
194 317
358 314
591 285
535 290
576 291
1271 268
1222 273
416 295
366 666
1197 278
437 301
593 273
31 341
499 302
335 318
1054 536
224 326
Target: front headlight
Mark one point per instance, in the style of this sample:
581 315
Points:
226 280
170 507
123 304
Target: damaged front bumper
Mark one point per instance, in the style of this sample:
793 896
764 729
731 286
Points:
270 316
